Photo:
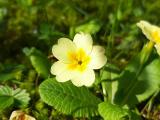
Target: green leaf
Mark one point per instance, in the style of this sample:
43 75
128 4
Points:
91 27
21 98
139 80
114 112
5 99
11 72
17 97
69 99
134 88
109 74
39 61
150 75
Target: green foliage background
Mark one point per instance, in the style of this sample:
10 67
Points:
29 28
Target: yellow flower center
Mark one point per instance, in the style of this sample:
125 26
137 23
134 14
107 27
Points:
156 36
79 60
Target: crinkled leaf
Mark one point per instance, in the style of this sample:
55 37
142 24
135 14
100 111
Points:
16 97
5 99
69 99
39 61
114 112
21 98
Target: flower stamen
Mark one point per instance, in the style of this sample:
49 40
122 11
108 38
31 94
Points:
79 60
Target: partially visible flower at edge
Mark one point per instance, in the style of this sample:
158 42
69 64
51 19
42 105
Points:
19 115
152 32
77 59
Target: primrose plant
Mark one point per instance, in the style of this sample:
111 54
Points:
72 89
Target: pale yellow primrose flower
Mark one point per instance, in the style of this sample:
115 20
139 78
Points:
19 115
77 59
152 32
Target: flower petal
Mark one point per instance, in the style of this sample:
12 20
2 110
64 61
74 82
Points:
86 78
61 71
83 40
58 67
157 46
148 29
61 50
98 58
19 114
65 76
